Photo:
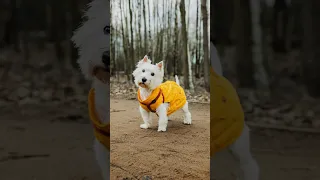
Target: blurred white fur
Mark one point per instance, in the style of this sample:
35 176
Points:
240 149
92 42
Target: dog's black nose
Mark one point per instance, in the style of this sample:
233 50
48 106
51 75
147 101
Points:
106 60
144 79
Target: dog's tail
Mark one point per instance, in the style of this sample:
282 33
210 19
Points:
177 80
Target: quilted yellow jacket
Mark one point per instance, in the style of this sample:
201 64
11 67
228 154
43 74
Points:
226 114
167 92
101 131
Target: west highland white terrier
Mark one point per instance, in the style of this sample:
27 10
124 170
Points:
157 97
227 127
92 39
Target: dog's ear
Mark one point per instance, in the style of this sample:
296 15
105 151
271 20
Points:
144 60
160 65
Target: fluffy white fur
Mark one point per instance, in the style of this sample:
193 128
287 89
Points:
240 149
92 42
153 75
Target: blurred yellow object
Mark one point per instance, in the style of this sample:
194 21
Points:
226 113
101 131
169 92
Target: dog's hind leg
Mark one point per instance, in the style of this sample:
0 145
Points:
187 115
146 116
103 159
240 149
177 80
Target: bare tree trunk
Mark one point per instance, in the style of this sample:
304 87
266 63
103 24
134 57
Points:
169 40
243 51
176 33
158 34
267 52
5 16
24 35
10 26
311 46
150 38
139 44
68 31
145 28
190 78
222 18
124 42
200 46
205 43
197 68
163 39
49 19
289 29
127 39
281 16
58 33
112 45
215 59
132 42
261 77
154 45
184 45
114 55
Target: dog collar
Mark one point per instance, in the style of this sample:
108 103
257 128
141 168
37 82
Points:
101 131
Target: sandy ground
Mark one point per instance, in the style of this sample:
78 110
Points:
44 143
182 152
281 156
51 142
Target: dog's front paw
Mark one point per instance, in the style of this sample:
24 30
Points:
187 121
162 129
144 126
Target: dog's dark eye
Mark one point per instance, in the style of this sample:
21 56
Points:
106 30
152 74
143 70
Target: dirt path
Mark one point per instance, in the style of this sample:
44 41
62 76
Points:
55 142
281 156
60 146
180 153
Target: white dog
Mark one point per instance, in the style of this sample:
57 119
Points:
157 97
240 147
92 39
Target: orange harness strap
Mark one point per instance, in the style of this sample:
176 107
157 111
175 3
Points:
101 131
154 101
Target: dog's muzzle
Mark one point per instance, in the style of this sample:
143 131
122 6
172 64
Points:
106 60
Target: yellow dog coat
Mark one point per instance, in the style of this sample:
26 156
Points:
101 131
226 114
168 92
